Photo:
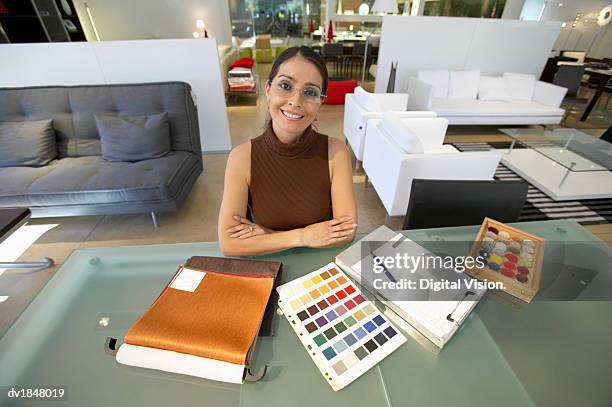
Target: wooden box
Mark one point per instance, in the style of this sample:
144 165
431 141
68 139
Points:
518 266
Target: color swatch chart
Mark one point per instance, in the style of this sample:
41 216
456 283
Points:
344 334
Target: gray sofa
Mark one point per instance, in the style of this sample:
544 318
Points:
79 181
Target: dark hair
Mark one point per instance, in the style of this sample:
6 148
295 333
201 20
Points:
306 53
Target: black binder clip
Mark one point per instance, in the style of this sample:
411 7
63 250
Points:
449 317
111 346
249 377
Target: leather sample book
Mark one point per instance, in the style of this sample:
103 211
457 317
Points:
206 321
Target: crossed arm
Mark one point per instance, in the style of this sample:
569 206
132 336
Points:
240 237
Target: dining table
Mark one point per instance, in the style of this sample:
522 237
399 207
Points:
600 78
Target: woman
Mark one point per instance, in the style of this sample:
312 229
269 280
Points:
291 186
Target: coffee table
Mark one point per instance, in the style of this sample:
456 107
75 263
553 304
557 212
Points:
566 164
508 353
12 219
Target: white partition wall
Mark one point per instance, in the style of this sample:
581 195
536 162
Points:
120 20
492 45
193 61
59 63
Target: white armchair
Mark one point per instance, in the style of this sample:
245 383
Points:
391 169
363 106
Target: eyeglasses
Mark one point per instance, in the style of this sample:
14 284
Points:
286 89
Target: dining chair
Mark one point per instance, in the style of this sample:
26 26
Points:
355 59
569 76
333 52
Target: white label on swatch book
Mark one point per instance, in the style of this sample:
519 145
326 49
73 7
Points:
187 280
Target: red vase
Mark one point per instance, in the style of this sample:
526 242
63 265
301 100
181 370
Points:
330 32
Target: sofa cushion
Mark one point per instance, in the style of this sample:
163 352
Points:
521 85
133 138
92 180
493 88
27 143
438 78
337 91
242 63
475 108
72 109
366 99
463 84
401 134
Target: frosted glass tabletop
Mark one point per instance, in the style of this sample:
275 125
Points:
508 353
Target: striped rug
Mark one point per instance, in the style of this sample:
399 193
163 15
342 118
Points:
540 206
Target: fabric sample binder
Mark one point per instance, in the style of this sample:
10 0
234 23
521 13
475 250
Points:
246 266
436 319
206 321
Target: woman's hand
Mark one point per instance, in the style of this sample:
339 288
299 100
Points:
328 233
245 228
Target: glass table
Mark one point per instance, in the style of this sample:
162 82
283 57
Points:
564 163
508 353
570 148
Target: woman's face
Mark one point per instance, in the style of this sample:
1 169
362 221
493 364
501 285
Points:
293 96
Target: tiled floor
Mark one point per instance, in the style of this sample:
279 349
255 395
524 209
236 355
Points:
197 219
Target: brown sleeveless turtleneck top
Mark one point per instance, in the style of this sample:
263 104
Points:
290 183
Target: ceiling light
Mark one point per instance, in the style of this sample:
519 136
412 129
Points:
364 9
605 15
385 6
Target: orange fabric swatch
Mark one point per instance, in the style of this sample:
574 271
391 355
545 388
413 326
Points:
219 320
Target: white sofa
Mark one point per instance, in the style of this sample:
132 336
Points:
361 106
391 169
466 97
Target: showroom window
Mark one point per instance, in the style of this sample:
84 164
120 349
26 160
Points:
276 17
465 8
